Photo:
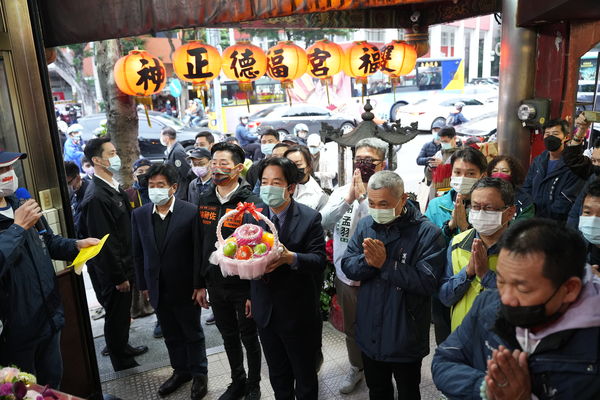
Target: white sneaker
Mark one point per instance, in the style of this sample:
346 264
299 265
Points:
351 380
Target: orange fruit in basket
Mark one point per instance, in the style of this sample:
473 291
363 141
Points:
268 239
243 253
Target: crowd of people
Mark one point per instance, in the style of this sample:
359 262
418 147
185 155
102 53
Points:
503 263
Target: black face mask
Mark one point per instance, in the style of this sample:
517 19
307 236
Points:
596 170
552 143
529 316
366 170
142 180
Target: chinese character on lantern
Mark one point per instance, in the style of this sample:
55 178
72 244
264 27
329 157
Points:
324 61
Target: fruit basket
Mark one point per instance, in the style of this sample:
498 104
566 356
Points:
248 251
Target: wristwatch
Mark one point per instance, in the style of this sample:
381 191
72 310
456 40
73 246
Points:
362 197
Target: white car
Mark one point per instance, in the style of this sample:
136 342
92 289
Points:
427 111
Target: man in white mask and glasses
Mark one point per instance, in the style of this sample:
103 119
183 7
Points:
473 254
397 255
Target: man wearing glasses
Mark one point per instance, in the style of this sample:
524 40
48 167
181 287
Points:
346 206
473 254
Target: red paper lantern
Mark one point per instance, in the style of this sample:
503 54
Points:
140 74
398 58
286 62
362 59
197 62
244 62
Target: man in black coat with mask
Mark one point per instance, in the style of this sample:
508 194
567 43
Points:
551 183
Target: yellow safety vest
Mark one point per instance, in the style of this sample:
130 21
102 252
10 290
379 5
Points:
461 254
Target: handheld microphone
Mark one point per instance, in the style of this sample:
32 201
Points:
23 195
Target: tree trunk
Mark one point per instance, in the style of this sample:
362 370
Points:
66 70
121 112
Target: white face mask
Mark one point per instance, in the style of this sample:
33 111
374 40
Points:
590 228
159 196
383 215
8 183
486 223
463 184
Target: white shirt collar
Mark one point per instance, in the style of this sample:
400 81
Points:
170 210
225 199
113 184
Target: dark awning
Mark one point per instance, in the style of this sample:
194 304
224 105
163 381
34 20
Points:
79 21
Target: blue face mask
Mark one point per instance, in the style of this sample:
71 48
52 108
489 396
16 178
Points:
446 145
267 148
590 228
273 196
115 164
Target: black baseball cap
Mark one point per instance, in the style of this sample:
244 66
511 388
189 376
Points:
199 153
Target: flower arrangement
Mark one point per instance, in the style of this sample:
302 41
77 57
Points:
16 385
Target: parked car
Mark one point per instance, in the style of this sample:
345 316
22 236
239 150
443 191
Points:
427 111
283 118
482 126
149 136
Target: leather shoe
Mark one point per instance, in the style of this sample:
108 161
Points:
199 387
173 383
135 351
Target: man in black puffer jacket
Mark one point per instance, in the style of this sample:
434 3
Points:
398 256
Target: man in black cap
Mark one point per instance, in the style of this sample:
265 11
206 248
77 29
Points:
31 313
200 163
138 192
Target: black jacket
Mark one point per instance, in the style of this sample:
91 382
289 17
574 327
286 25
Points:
285 298
211 210
104 210
76 200
29 297
178 158
167 272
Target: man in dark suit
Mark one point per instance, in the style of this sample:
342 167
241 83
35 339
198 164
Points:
284 305
163 253
105 210
177 157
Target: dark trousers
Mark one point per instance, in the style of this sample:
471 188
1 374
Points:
184 337
291 356
440 315
229 308
117 306
41 358
378 375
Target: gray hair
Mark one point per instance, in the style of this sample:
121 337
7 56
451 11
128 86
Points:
378 145
387 180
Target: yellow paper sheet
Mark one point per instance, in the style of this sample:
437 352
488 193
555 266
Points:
87 254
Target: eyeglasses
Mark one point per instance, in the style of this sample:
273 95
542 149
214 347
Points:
477 207
366 160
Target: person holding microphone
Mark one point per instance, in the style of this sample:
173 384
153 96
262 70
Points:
31 313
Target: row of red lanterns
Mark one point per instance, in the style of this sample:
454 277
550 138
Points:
141 74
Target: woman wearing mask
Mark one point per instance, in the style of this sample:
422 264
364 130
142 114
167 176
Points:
308 191
509 169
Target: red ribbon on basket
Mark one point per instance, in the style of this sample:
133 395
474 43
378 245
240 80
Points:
249 208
